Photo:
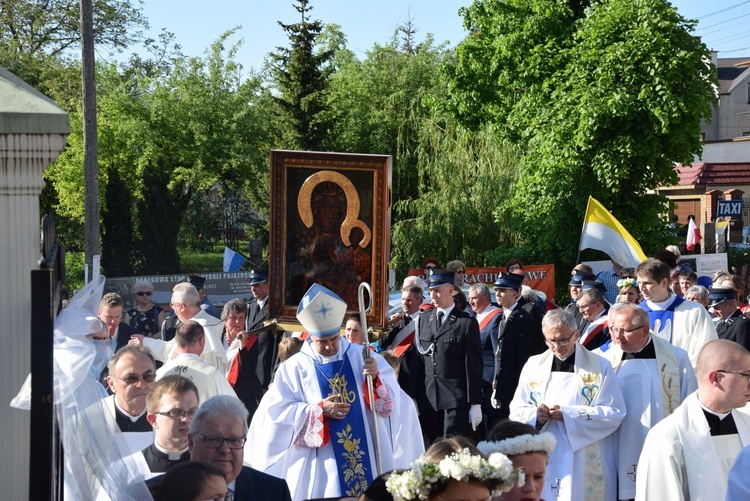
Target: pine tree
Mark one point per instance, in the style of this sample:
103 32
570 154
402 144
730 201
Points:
301 75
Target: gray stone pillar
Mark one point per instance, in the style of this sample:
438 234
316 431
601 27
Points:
32 134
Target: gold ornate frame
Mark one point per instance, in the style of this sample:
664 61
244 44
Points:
355 190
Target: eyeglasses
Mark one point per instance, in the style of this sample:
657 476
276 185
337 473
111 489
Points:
228 497
743 374
584 306
174 305
618 332
143 293
132 379
461 271
216 442
562 343
178 413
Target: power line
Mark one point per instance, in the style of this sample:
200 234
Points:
723 10
722 22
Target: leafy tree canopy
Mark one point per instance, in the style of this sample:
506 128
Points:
600 104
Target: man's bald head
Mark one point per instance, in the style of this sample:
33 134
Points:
719 354
723 373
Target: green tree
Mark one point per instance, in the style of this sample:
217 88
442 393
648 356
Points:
600 105
37 37
301 75
117 228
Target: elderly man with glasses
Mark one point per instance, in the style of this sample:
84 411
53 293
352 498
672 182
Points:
593 307
572 393
217 436
688 454
654 377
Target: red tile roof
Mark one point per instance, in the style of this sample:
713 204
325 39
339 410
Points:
711 174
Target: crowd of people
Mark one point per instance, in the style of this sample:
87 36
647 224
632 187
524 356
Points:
636 389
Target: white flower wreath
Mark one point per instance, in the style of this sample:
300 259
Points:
426 474
543 442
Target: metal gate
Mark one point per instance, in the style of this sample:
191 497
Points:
46 459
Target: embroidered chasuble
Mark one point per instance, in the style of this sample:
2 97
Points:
653 382
347 435
582 466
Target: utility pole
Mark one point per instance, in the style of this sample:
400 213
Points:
90 143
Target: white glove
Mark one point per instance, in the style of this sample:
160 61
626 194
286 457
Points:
475 416
494 401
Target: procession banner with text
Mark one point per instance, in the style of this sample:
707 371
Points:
541 277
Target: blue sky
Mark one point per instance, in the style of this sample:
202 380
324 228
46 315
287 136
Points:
724 24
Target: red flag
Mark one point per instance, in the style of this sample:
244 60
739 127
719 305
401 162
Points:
693 235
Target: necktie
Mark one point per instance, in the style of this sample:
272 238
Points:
440 318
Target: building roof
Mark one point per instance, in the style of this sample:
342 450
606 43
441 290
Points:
25 110
731 71
714 174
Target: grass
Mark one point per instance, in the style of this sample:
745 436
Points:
200 262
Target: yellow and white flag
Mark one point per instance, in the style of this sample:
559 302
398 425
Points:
601 231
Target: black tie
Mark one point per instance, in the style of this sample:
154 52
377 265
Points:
440 319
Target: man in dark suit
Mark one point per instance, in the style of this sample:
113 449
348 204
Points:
110 312
257 314
520 337
118 333
217 436
732 325
449 344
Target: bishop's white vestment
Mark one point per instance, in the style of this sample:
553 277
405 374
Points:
290 438
582 465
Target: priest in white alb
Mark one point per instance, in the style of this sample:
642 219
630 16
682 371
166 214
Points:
688 455
572 393
654 377
314 427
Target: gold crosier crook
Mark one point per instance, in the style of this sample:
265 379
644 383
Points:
352 205
364 286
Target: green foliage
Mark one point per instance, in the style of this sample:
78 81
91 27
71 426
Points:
301 76
462 174
601 101
117 228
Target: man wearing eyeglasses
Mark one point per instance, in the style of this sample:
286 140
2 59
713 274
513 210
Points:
217 436
688 454
171 405
572 393
592 305
654 377
186 305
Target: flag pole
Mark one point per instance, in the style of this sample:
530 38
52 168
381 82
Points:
583 227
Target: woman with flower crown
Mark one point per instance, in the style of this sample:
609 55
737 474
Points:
453 469
529 452
629 291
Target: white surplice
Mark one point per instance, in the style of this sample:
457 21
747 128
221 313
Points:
213 350
690 329
294 395
682 461
643 383
582 465
207 378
